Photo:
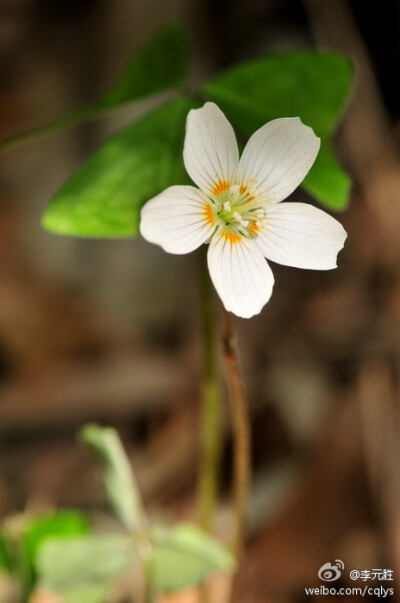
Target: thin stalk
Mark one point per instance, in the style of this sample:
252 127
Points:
144 546
241 433
49 129
211 407
80 116
150 594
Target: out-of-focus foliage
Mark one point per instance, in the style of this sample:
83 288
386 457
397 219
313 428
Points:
39 529
58 553
176 557
311 85
80 569
186 556
118 479
105 197
23 536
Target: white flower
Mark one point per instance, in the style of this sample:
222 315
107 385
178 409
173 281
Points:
237 208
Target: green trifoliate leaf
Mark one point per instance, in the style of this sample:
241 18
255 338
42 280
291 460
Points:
80 569
118 479
161 64
312 85
185 556
104 198
327 181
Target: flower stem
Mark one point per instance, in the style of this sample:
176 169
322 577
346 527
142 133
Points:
211 408
241 433
150 594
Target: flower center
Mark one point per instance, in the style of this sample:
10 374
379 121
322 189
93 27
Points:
237 209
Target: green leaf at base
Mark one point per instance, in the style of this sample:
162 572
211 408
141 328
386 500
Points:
118 479
35 532
185 556
80 569
104 198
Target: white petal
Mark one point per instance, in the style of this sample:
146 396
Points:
210 152
177 219
300 235
278 157
240 274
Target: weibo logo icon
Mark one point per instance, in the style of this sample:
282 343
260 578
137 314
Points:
330 572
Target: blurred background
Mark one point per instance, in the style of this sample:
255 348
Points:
108 331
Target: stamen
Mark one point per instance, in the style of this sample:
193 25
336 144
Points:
240 220
227 206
